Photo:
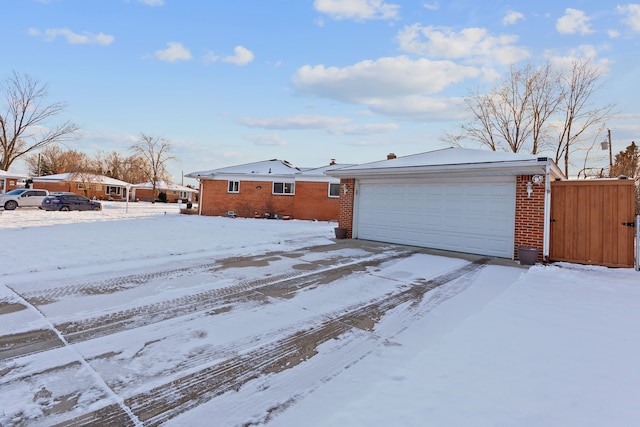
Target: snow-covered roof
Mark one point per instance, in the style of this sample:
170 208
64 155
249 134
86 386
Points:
164 185
4 174
263 168
82 177
322 171
450 160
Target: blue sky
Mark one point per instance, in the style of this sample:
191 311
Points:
231 82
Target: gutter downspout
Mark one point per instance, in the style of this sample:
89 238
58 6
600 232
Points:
547 213
200 197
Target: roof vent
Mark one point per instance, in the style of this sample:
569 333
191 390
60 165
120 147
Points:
543 159
391 156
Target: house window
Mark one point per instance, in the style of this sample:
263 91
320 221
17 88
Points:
234 187
334 190
113 190
283 187
183 195
81 186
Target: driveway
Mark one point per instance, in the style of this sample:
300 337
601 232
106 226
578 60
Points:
134 349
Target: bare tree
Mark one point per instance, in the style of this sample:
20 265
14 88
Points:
507 116
546 93
155 153
522 112
579 114
52 159
23 123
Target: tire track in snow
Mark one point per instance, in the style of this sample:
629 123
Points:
187 392
207 302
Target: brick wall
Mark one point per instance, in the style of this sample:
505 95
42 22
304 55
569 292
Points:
254 198
529 227
345 218
312 201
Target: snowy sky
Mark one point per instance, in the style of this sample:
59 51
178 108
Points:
500 345
305 81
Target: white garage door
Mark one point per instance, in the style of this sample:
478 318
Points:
472 217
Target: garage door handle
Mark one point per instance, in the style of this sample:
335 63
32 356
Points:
629 224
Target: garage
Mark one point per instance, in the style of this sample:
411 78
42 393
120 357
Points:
454 199
475 217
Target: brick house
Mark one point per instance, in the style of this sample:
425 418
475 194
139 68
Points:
10 181
463 200
85 184
273 188
173 191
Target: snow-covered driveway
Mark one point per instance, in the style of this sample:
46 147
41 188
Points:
239 333
148 317
146 345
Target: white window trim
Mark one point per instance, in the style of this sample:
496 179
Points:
284 186
337 196
234 191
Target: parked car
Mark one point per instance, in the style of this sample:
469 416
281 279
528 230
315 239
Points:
22 198
70 202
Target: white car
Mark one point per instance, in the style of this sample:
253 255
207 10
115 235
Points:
22 198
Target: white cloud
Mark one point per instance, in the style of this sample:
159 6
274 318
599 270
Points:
574 21
431 6
512 17
564 61
271 139
296 122
632 15
422 108
358 10
390 77
173 53
242 56
472 44
152 2
332 125
369 129
613 34
50 34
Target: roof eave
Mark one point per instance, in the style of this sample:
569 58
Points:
495 168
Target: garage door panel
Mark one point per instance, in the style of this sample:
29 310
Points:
465 217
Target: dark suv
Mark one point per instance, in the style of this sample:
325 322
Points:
70 202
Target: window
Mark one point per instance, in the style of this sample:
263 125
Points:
334 190
234 187
81 186
183 195
113 190
283 187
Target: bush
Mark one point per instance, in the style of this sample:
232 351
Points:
162 197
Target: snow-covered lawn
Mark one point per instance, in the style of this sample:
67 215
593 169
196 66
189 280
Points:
141 315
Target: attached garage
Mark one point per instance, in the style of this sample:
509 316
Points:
474 217
472 201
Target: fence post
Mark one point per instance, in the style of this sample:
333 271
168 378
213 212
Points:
637 242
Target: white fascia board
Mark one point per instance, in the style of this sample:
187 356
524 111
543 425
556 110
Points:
249 177
533 166
308 178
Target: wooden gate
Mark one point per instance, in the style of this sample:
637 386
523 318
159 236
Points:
592 222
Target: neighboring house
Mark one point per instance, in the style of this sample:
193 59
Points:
173 191
472 201
85 184
10 181
272 188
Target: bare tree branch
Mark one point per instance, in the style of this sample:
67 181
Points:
155 152
23 122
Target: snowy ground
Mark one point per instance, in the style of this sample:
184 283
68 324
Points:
141 316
